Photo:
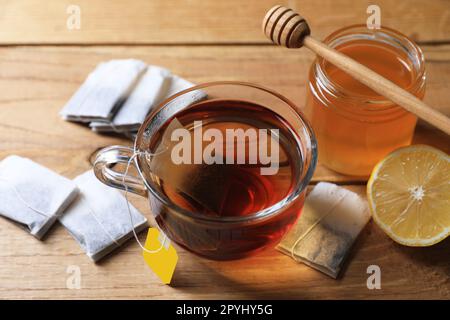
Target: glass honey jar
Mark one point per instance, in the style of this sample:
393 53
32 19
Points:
356 127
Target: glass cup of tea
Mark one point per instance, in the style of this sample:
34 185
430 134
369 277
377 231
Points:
225 166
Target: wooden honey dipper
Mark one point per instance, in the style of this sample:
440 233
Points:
285 27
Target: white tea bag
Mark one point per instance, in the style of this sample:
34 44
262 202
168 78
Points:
208 185
103 92
175 85
147 93
99 219
33 195
193 180
331 220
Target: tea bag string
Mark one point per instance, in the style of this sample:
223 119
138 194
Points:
21 199
81 197
113 127
165 239
92 213
127 134
333 207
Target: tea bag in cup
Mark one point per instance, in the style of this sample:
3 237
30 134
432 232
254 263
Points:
99 219
194 180
147 93
207 188
209 182
104 91
331 220
32 195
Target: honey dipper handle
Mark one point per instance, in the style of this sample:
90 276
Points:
379 84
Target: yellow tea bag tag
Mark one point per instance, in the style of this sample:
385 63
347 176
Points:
160 255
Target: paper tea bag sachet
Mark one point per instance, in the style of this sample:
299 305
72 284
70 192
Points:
103 92
192 181
204 183
177 84
32 195
331 220
147 93
98 219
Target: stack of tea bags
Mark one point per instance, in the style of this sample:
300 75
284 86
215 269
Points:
118 95
102 93
331 220
94 214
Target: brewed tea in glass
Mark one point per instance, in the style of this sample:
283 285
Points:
225 167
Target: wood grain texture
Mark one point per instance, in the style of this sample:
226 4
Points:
35 82
232 21
38 269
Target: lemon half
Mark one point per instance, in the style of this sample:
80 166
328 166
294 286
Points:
409 195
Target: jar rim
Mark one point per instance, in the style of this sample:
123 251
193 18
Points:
385 35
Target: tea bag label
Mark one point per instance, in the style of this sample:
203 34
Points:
163 259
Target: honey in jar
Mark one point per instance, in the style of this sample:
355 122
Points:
355 126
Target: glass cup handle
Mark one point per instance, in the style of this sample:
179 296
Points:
104 162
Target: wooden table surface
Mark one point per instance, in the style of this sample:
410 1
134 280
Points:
42 63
